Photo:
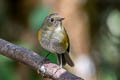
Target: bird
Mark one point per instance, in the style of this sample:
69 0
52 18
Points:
53 37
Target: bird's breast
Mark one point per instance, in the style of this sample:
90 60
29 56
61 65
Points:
54 41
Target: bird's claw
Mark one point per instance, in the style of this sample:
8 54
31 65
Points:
41 67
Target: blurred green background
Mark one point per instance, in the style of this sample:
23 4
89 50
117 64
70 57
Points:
21 19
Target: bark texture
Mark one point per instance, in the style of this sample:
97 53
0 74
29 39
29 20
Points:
34 60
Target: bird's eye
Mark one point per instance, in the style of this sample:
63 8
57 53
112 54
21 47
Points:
52 19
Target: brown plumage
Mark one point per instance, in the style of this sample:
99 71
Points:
53 38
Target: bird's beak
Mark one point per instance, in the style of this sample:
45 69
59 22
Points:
61 19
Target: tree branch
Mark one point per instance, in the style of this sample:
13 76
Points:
33 60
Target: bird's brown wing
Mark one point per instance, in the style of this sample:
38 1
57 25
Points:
67 41
66 56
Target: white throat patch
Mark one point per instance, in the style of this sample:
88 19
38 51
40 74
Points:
59 28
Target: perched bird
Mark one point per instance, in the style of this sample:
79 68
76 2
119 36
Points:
53 38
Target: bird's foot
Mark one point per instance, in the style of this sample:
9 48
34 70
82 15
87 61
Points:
41 67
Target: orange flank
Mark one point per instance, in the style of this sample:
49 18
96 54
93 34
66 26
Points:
39 34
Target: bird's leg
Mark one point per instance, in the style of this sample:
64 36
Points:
40 67
47 55
60 61
59 65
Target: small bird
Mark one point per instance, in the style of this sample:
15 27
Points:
53 37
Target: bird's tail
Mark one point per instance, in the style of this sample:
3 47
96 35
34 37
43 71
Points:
65 58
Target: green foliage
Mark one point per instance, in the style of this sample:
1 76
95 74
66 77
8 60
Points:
113 22
107 74
24 44
7 69
108 45
37 17
52 56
